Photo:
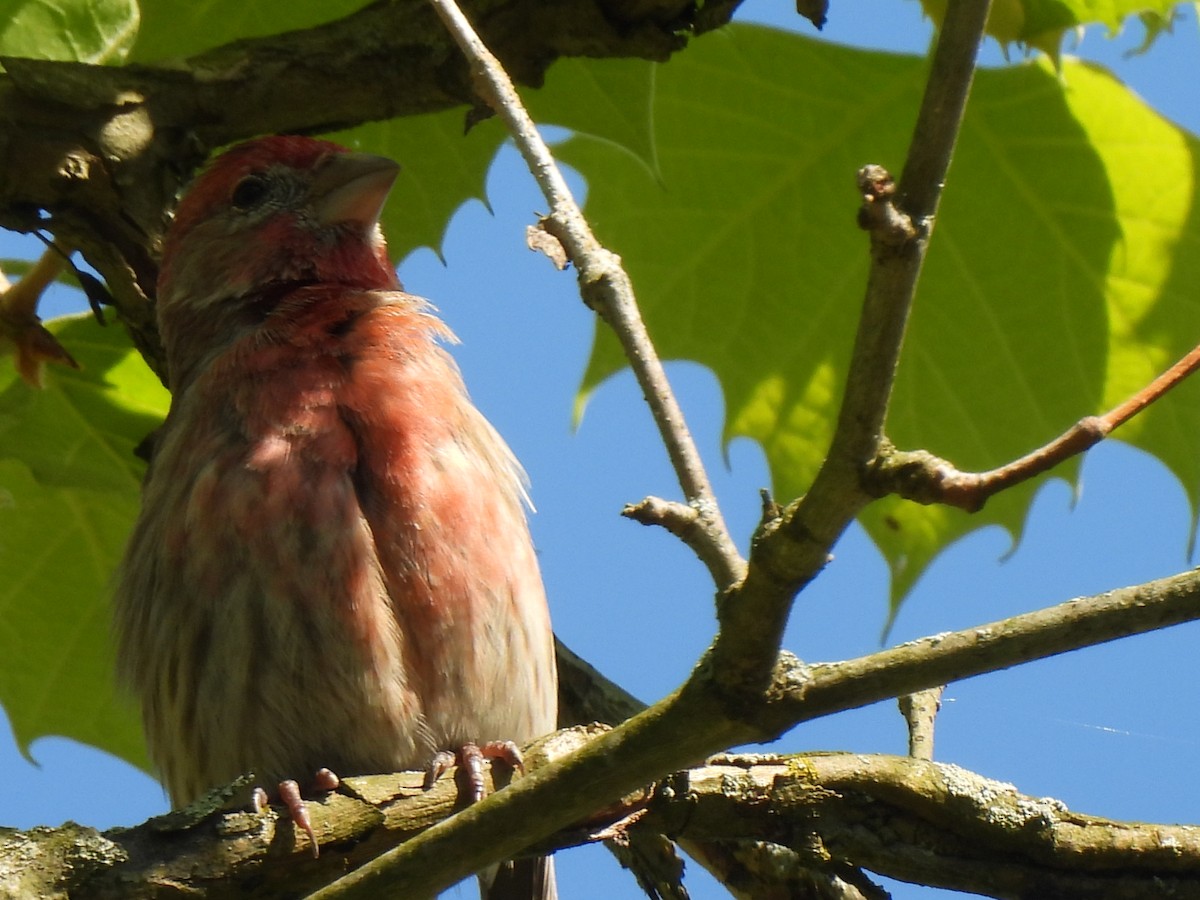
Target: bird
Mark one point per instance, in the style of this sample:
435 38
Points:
331 572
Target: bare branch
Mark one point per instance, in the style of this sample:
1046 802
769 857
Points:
606 288
789 550
586 695
962 831
808 692
897 259
226 853
920 711
920 476
681 520
801 825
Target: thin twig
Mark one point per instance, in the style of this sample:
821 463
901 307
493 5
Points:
607 289
678 518
922 477
1122 413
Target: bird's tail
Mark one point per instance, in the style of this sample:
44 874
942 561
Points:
520 879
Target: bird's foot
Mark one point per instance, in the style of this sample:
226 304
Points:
292 800
469 758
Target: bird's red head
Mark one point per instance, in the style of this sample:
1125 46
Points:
268 214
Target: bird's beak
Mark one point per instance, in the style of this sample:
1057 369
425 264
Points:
351 187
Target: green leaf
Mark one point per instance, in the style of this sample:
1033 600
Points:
68 497
92 31
180 28
1042 23
81 430
1058 281
15 267
58 547
1042 15
1154 26
612 104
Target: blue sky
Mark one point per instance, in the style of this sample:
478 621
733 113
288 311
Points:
1096 728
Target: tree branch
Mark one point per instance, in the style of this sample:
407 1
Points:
962 831
804 692
792 547
920 711
606 288
585 696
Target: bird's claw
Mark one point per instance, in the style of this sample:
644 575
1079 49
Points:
293 802
470 758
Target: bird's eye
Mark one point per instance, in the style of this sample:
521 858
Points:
250 192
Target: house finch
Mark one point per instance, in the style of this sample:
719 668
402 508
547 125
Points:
332 566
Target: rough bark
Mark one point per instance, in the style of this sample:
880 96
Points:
827 813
